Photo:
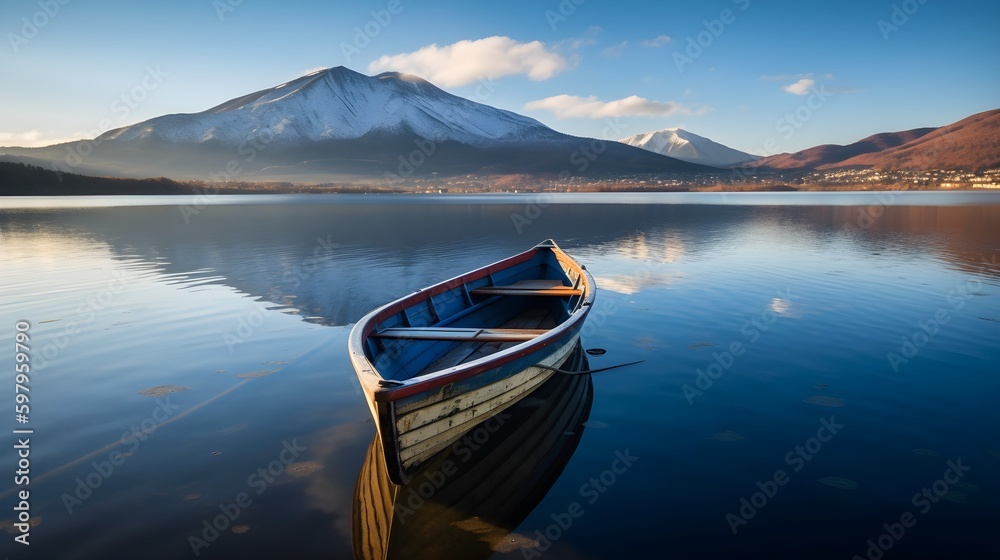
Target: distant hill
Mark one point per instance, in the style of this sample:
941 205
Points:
970 144
830 154
687 146
17 179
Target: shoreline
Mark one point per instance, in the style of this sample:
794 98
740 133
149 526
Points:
217 191
22 180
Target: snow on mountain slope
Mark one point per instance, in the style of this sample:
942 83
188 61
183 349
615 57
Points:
339 104
685 146
337 124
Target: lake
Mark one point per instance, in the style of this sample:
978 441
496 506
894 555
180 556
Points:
819 377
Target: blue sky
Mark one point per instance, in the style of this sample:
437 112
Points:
760 76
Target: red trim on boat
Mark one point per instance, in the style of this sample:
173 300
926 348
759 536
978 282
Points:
389 394
396 393
442 287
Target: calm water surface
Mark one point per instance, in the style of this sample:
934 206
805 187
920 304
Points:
811 365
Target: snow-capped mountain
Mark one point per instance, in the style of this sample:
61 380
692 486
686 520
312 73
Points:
685 146
340 104
337 124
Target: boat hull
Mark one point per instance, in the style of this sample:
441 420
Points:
422 409
429 422
474 494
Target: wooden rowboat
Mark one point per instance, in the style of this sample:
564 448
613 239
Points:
437 362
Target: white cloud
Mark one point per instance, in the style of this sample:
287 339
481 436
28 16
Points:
30 136
803 83
615 50
784 77
800 87
658 42
572 106
588 38
465 62
34 139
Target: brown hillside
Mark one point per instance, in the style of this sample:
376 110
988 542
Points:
829 154
970 144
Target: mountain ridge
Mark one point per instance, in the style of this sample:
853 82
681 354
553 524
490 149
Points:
972 143
337 123
341 104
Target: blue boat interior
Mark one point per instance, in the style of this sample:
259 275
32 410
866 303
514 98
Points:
476 319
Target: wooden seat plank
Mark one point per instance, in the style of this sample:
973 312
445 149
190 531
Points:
561 291
460 334
533 287
536 318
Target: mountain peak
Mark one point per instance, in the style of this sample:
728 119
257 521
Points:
687 146
339 69
401 76
341 104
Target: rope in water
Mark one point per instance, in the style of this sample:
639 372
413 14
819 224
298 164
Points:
586 371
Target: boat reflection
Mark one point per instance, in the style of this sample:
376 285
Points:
470 497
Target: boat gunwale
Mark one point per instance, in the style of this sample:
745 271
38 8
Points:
415 385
